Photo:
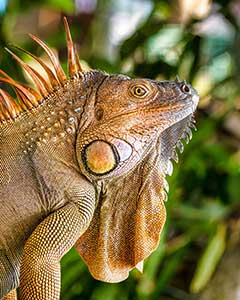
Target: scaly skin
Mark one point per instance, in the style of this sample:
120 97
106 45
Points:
11 296
86 167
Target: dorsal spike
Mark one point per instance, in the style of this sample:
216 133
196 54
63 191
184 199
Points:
79 67
73 59
56 64
45 86
31 96
22 104
36 95
28 97
30 93
52 78
177 79
11 105
23 99
5 74
4 113
40 83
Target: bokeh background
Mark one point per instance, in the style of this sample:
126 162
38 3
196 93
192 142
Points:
198 256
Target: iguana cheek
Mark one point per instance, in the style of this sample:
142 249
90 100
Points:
100 157
124 149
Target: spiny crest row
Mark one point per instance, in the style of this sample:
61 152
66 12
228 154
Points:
29 97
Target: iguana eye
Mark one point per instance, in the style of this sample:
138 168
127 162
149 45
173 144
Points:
185 88
139 91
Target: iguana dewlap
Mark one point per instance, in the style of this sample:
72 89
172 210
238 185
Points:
83 162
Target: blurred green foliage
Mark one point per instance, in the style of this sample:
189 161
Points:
204 189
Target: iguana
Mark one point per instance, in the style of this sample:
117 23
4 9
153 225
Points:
83 163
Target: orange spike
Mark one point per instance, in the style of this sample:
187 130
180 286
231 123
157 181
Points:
79 67
30 94
46 86
4 114
52 78
40 83
12 107
23 106
24 101
28 89
73 65
36 95
59 71
5 74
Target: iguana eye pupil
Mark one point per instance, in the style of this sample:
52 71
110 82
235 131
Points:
185 88
139 91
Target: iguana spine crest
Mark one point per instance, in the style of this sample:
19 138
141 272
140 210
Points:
28 98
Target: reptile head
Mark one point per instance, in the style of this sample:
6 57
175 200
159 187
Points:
130 117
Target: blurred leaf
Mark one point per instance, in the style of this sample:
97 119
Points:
107 292
208 262
147 281
211 211
167 272
65 5
151 26
163 44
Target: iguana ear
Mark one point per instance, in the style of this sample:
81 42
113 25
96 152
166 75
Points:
127 223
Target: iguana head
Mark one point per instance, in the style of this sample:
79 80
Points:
130 116
121 134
